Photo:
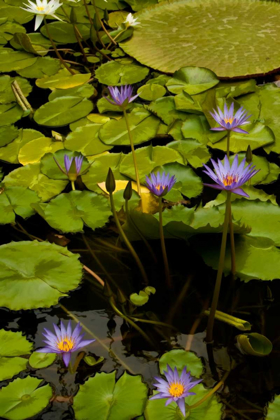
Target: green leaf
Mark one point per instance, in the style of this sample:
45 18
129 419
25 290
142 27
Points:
117 18
161 26
197 127
23 41
6 94
181 358
41 360
116 73
64 33
235 89
165 109
148 158
51 272
10 113
113 401
92 361
254 344
63 80
24 398
12 345
142 124
139 299
7 134
62 111
34 150
151 92
192 152
84 91
192 80
210 409
270 101
30 177
50 168
8 29
256 258
140 4
16 201
273 409
69 212
85 140
11 60
43 66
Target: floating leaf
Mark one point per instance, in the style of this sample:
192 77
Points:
192 80
6 94
51 272
12 345
273 409
34 150
41 360
69 212
221 22
84 91
63 80
10 113
64 33
116 73
51 169
11 60
24 398
86 140
192 152
165 109
23 41
142 124
122 400
16 201
62 111
7 134
181 358
270 101
151 92
117 18
43 66
254 344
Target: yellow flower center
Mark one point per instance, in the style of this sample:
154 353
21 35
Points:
176 389
66 344
40 9
228 120
229 180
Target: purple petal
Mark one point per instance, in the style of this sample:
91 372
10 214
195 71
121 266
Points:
181 404
66 358
239 191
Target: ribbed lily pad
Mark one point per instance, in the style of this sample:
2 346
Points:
69 212
63 111
143 127
16 201
112 401
41 360
209 28
120 73
273 409
24 398
12 345
86 140
51 272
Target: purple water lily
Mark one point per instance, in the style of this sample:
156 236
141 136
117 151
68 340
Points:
72 166
121 96
230 178
229 121
160 184
176 387
64 341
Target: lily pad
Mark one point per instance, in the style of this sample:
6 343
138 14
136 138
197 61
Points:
63 111
84 91
24 398
192 152
51 272
116 73
223 23
11 60
41 360
12 345
16 201
69 212
34 150
64 33
10 113
181 358
7 134
124 399
43 66
165 109
63 80
273 409
86 140
192 80
6 94
151 92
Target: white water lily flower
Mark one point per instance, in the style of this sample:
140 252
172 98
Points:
42 8
131 21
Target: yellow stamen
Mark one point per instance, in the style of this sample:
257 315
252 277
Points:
158 187
229 180
66 344
40 9
176 389
228 120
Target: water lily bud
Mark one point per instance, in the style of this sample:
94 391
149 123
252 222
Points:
128 191
110 182
73 16
249 155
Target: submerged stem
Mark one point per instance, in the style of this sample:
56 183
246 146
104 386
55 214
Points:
134 157
210 325
163 248
126 241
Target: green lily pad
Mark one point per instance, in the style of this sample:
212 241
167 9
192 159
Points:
8 29
23 41
181 358
69 212
273 409
50 168
197 127
43 66
142 124
148 158
63 111
24 398
113 401
139 299
254 344
10 113
31 177
151 92
116 73
117 18
16 201
235 89
270 100
210 409
11 11
8 134
192 80
63 80
254 194
51 272
12 345
223 23
64 33
41 360
192 152
11 60
6 94
86 140
165 109
104 106
34 150
140 4
84 91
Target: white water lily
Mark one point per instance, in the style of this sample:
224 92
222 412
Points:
131 21
42 8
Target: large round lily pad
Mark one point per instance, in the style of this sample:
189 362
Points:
230 37
36 274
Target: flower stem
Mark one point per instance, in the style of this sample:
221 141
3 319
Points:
102 24
73 185
134 156
126 241
55 49
163 248
231 230
211 319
